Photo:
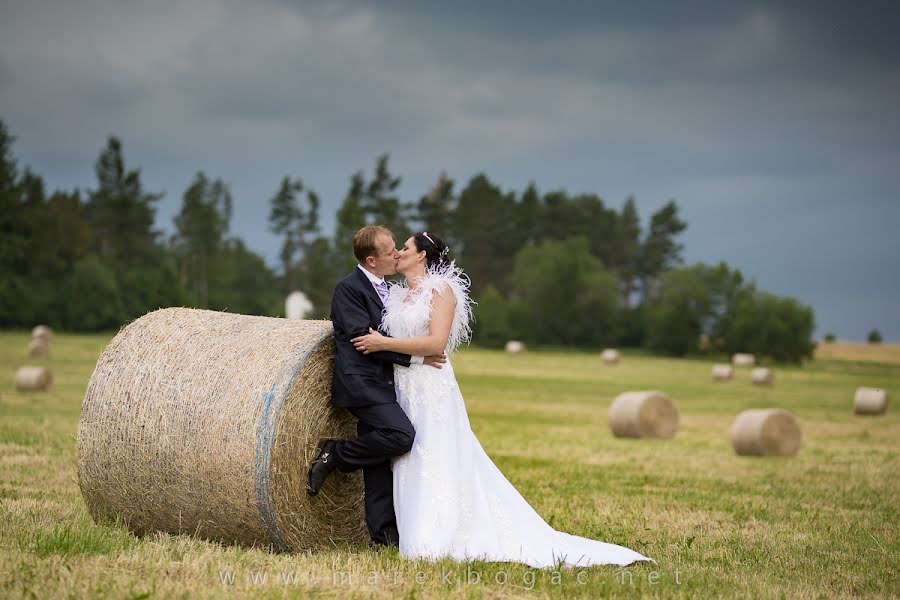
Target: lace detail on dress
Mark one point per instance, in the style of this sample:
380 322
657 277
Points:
450 499
426 388
408 316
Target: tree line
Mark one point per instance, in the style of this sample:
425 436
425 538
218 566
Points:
548 268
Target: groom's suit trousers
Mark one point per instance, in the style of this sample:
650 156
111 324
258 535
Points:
363 384
383 432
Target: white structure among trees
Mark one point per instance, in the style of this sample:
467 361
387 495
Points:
297 305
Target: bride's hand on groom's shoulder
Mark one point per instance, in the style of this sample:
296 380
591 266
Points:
372 342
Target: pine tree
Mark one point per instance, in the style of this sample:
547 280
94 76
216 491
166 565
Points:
121 213
530 215
350 217
381 203
297 224
201 227
629 243
12 238
659 250
487 234
435 209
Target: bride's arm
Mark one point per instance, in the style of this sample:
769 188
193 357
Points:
442 309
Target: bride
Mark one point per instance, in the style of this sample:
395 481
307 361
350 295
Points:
450 500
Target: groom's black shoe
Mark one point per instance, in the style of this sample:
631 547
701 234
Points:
378 545
386 538
321 468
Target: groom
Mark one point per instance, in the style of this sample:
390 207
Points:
364 385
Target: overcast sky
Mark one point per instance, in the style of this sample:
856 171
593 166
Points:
775 128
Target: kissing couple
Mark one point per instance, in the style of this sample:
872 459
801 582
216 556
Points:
430 488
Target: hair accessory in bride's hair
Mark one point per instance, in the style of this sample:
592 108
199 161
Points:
425 233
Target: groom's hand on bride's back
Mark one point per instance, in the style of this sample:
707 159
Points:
435 360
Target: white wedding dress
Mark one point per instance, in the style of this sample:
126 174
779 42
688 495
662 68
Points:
451 501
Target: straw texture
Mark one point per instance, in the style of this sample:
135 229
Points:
515 347
643 414
42 331
762 376
743 360
38 347
766 432
34 378
205 422
611 356
870 401
722 372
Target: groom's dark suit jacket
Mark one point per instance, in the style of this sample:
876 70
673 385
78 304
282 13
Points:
360 379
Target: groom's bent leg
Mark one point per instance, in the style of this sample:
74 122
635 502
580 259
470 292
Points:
384 431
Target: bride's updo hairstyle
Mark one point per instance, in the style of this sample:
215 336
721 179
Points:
436 251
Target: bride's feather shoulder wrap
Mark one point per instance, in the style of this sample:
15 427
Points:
438 278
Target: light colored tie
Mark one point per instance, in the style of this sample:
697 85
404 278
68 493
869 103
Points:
382 290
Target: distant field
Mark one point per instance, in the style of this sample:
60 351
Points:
858 351
825 524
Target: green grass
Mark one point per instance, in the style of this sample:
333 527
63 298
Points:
75 538
823 524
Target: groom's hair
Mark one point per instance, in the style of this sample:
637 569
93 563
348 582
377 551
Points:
364 241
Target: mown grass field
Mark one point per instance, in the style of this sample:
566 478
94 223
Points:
825 524
858 351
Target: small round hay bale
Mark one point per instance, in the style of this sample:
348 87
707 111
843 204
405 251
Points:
766 432
722 372
742 359
34 379
762 376
204 422
611 356
38 348
515 347
643 414
42 331
870 401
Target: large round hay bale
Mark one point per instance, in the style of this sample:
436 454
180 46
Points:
38 348
870 401
611 356
762 376
515 347
42 331
643 414
206 422
766 432
722 372
742 359
34 379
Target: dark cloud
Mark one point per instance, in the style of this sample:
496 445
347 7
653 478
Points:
775 125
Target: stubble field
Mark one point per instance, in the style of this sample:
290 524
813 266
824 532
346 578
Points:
822 524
